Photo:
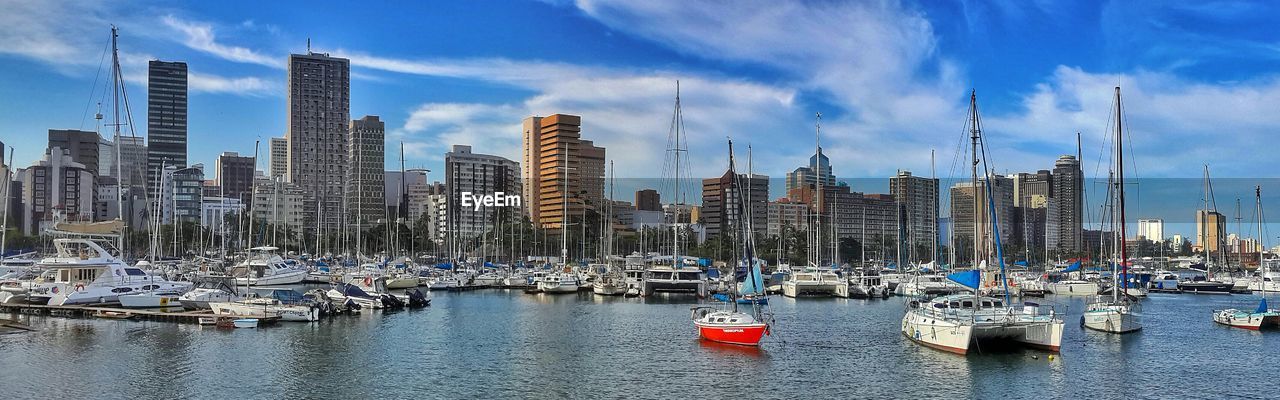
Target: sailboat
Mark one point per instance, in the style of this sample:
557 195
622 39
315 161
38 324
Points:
610 282
817 280
1116 313
1263 316
682 275
562 280
731 325
1210 284
953 323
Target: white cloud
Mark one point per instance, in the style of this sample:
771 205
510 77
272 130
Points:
200 36
249 85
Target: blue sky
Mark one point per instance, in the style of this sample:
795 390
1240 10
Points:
891 78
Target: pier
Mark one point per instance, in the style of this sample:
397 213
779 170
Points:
182 317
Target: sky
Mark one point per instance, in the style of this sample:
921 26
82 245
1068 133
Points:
891 78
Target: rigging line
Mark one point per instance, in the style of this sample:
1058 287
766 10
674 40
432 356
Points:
94 88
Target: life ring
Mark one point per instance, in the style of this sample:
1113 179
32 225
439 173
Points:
79 287
368 281
54 290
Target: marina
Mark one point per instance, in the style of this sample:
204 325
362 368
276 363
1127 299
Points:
573 345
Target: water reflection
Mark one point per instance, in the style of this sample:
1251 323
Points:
491 344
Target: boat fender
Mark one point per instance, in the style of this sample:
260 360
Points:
368 281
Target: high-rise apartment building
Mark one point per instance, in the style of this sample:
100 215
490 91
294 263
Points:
366 201
82 146
1151 229
56 187
319 107
918 198
722 205
166 118
279 157
786 213
648 200
1211 229
551 144
1066 208
183 193
280 203
235 175
468 175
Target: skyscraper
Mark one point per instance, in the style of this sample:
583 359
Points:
918 197
366 185
82 146
471 174
1211 228
56 184
166 118
319 107
818 170
963 209
552 143
1066 207
279 157
721 203
235 176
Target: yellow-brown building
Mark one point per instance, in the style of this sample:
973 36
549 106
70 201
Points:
552 143
1210 227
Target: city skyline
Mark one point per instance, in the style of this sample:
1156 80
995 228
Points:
899 87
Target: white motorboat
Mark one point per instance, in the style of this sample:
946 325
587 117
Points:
246 323
151 300
286 304
559 282
1267 281
210 289
813 282
83 272
266 268
686 279
444 282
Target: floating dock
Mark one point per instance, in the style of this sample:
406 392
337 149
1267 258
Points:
182 317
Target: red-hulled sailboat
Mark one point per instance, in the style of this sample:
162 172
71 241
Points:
731 325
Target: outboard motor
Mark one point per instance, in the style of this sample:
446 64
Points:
417 299
391 302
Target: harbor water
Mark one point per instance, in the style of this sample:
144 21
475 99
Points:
496 343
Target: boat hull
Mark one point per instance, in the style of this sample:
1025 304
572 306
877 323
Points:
742 334
150 301
286 278
1206 287
1247 320
1111 319
1073 288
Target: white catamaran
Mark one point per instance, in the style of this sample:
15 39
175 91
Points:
955 322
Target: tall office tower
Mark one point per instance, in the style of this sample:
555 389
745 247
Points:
550 144
721 198
818 170
166 118
319 106
366 186
1066 206
279 154
918 198
963 211
648 200
235 176
470 174
82 146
